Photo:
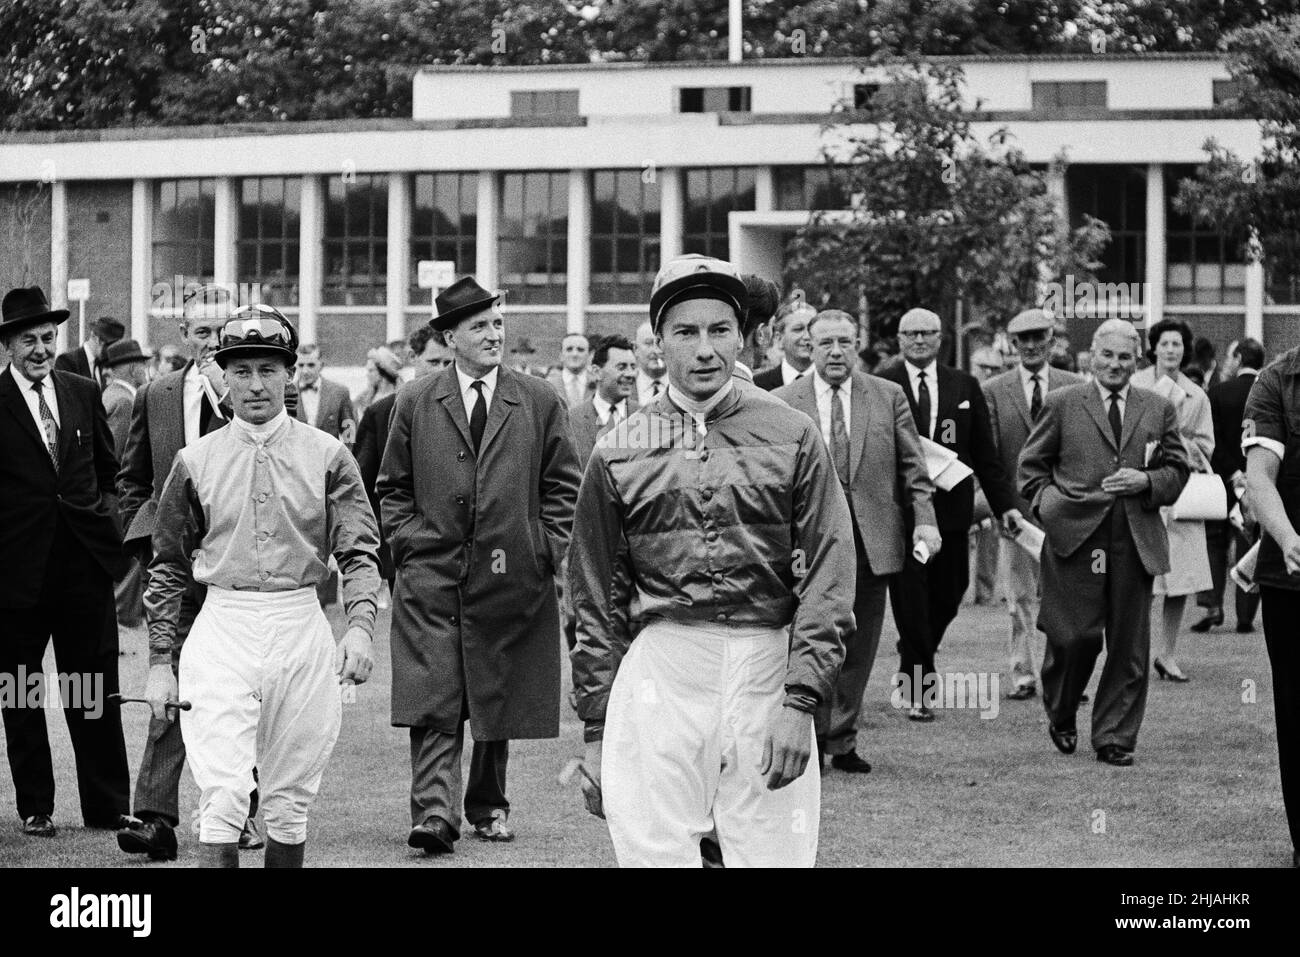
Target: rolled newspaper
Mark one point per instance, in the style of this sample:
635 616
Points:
1243 573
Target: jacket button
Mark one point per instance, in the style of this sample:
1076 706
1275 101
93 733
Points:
704 456
707 494
460 456
264 575
452 619
717 578
460 499
711 536
722 616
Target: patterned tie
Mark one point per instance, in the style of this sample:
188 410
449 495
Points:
922 405
48 425
839 436
478 415
1036 400
1116 421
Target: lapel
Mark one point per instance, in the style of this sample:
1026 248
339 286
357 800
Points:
505 399
70 424
945 380
1096 408
1017 390
1134 409
861 415
11 397
447 391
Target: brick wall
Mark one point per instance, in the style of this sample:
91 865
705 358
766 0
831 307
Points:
24 249
99 249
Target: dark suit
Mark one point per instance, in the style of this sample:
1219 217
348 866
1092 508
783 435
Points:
887 479
1228 408
372 436
78 363
61 546
925 597
333 411
1102 552
770 379
586 427
157 434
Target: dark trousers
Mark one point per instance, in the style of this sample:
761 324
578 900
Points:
837 719
925 599
435 777
1100 593
1219 537
76 609
1281 611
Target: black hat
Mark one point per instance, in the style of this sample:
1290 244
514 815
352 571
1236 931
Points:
121 352
459 301
27 307
108 329
257 330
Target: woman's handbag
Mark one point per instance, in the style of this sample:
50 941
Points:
1204 499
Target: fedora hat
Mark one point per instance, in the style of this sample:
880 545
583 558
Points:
121 352
108 329
459 301
24 307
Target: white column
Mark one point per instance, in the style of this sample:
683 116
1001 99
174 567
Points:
1155 245
59 254
578 284
1255 294
399 253
225 230
485 239
1056 192
764 189
142 262
310 253
670 213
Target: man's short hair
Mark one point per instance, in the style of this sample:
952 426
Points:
789 309
828 315
307 348
419 338
605 343
578 335
764 301
1117 327
1251 353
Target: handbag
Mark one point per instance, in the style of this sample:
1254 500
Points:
1204 499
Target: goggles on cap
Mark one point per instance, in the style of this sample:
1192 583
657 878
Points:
258 324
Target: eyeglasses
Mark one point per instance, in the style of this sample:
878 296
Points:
918 335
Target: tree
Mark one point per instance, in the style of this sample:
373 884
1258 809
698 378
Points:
936 216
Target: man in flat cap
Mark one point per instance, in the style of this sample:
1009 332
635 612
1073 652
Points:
88 358
1015 401
476 487
719 507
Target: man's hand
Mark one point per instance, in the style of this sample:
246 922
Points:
216 377
786 747
590 771
352 660
1011 520
1126 482
930 535
160 688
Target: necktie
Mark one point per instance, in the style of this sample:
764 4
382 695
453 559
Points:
839 436
1036 400
1116 422
99 374
205 414
654 389
922 405
48 425
477 415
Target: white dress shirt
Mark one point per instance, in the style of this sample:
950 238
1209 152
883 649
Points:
604 407
644 387
33 404
822 390
932 385
1105 398
196 386
575 385
467 393
309 399
789 373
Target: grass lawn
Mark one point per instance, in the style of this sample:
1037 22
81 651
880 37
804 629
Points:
960 791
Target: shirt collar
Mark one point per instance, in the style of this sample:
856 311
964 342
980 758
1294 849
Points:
465 380
1028 377
930 370
1105 392
127 386
1242 372
822 388
694 407
572 376
791 371
25 383
603 406
253 433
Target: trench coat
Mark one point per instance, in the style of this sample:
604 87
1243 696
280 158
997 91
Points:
476 542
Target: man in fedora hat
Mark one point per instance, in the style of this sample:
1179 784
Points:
477 488
61 548
88 358
125 371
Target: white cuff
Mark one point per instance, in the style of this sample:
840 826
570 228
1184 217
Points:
1273 445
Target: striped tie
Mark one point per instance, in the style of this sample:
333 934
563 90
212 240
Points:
48 425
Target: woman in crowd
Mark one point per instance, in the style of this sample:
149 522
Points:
383 372
1169 349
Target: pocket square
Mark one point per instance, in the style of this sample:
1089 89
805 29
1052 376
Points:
964 404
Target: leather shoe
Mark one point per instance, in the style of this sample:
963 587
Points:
1065 739
433 835
118 822
1022 692
1211 620
494 828
850 762
1173 674
39 825
1245 628
249 838
1114 754
919 713
152 837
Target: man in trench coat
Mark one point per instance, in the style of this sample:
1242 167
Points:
477 488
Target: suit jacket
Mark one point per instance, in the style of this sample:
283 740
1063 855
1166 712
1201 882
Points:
372 436
1071 449
1228 409
118 402
1009 417
34 497
157 433
333 412
584 424
888 481
556 378
963 426
769 379
477 538
77 362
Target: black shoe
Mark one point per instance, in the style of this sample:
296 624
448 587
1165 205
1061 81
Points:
851 763
433 836
1114 754
919 713
711 854
1212 620
1065 739
1166 672
118 822
1022 692
1245 628
39 825
1085 697
249 838
152 837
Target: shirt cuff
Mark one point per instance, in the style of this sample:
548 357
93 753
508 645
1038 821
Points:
1273 445
801 698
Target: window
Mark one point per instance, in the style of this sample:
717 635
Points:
710 195
533 237
267 244
811 187
863 93
714 99
624 236
444 218
1226 92
1069 95
543 102
1116 195
356 241
1202 266
184 231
